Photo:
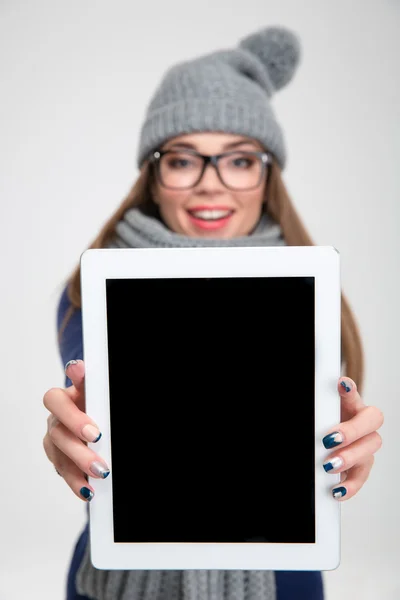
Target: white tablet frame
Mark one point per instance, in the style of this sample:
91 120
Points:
320 262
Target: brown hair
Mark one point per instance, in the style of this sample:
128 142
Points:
281 209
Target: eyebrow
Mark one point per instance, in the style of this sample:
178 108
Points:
226 147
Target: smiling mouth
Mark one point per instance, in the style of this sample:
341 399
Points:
210 214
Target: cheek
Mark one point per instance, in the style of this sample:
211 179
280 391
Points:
251 202
172 203
256 200
171 200
249 213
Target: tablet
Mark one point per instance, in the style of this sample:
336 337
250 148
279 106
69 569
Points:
212 374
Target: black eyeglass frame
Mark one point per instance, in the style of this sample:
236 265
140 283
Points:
155 158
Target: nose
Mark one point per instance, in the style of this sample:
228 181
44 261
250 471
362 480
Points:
210 180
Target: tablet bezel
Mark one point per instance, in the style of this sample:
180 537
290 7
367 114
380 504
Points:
320 262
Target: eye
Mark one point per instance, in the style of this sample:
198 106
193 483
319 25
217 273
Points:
178 163
243 162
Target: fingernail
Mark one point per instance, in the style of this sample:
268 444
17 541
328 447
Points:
339 492
99 469
69 363
86 493
91 433
332 439
347 386
334 463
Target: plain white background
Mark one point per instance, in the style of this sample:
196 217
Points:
76 78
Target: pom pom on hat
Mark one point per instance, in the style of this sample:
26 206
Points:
278 49
228 90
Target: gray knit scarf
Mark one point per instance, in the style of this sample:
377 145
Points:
136 230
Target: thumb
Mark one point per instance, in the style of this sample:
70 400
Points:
351 401
75 371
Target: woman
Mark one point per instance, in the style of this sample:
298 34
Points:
211 155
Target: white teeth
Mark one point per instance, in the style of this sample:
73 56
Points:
210 215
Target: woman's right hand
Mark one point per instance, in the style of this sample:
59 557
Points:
68 430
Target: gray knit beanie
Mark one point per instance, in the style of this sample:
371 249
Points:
227 91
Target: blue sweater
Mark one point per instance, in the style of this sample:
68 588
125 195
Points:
291 585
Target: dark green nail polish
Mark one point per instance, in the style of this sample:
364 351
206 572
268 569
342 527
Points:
86 493
347 387
332 439
339 492
334 463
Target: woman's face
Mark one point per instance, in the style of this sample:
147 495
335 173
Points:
210 209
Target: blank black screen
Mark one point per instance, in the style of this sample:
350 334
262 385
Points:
212 409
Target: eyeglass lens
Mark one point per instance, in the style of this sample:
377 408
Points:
239 170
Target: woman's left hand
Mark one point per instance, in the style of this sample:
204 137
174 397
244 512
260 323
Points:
356 438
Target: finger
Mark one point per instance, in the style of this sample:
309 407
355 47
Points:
355 479
351 401
48 447
86 460
75 371
51 421
364 422
69 471
354 454
65 410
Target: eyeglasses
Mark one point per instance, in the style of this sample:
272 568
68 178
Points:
183 169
